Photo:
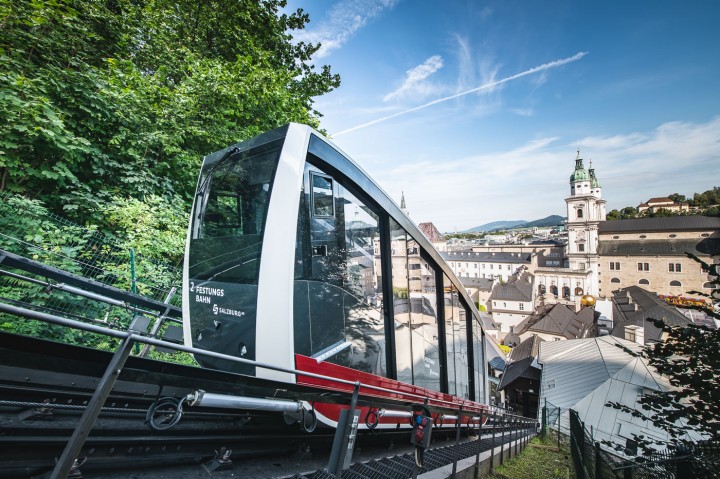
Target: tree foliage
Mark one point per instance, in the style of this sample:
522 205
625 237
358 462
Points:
706 203
105 100
689 358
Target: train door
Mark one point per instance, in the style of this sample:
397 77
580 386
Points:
337 315
324 221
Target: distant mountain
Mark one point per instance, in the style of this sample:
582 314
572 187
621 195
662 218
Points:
551 220
495 225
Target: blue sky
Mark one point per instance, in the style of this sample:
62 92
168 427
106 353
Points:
475 109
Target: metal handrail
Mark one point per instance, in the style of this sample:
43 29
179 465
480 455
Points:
49 318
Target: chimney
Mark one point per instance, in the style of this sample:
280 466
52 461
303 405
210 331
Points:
640 336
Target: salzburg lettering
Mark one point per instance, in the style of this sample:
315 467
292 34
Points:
230 312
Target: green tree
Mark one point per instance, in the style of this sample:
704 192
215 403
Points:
108 99
613 215
629 212
690 358
677 198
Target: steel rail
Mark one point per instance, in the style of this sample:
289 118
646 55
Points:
49 318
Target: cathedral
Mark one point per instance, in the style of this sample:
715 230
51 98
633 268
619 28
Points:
585 210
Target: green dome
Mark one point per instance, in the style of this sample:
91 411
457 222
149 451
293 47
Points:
580 174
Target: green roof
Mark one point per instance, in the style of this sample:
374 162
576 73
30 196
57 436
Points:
580 174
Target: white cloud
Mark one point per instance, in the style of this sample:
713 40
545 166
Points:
412 85
342 21
531 181
484 87
523 111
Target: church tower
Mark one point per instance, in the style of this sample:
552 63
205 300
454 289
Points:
403 206
585 210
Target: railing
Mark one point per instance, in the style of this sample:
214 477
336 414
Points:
593 462
467 414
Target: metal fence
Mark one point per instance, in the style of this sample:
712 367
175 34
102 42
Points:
593 462
56 254
28 229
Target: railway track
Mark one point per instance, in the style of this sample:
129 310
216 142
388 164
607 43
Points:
45 387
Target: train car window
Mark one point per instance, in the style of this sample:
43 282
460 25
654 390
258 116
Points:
223 213
415 301
338 307
479 367
226 240
455 341
322 196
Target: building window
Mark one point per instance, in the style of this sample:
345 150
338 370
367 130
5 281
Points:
643 236
475 265
521 307
630 334
644 281
581 247
643 266
614 265
615 280
708 285
675 283
674 267
580 212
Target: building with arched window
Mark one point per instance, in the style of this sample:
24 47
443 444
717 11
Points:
578 275
651 253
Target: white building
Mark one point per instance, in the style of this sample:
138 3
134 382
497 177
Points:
585 210
491 264
585 374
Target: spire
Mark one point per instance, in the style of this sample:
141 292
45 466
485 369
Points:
594 182
403 206
579 174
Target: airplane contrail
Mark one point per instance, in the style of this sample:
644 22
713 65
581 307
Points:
543 67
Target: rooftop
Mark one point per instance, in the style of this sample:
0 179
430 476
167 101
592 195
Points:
518 288
669 223
635 306
487 257
660 247
560 320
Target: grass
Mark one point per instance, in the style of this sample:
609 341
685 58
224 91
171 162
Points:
539 460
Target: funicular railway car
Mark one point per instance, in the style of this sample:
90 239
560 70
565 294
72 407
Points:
296 258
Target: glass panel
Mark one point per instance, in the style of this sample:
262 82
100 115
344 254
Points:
479 366
401 303
322 193
337 304
424 321
416 329
224 255
455 341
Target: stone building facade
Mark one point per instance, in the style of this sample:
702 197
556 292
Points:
650 253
